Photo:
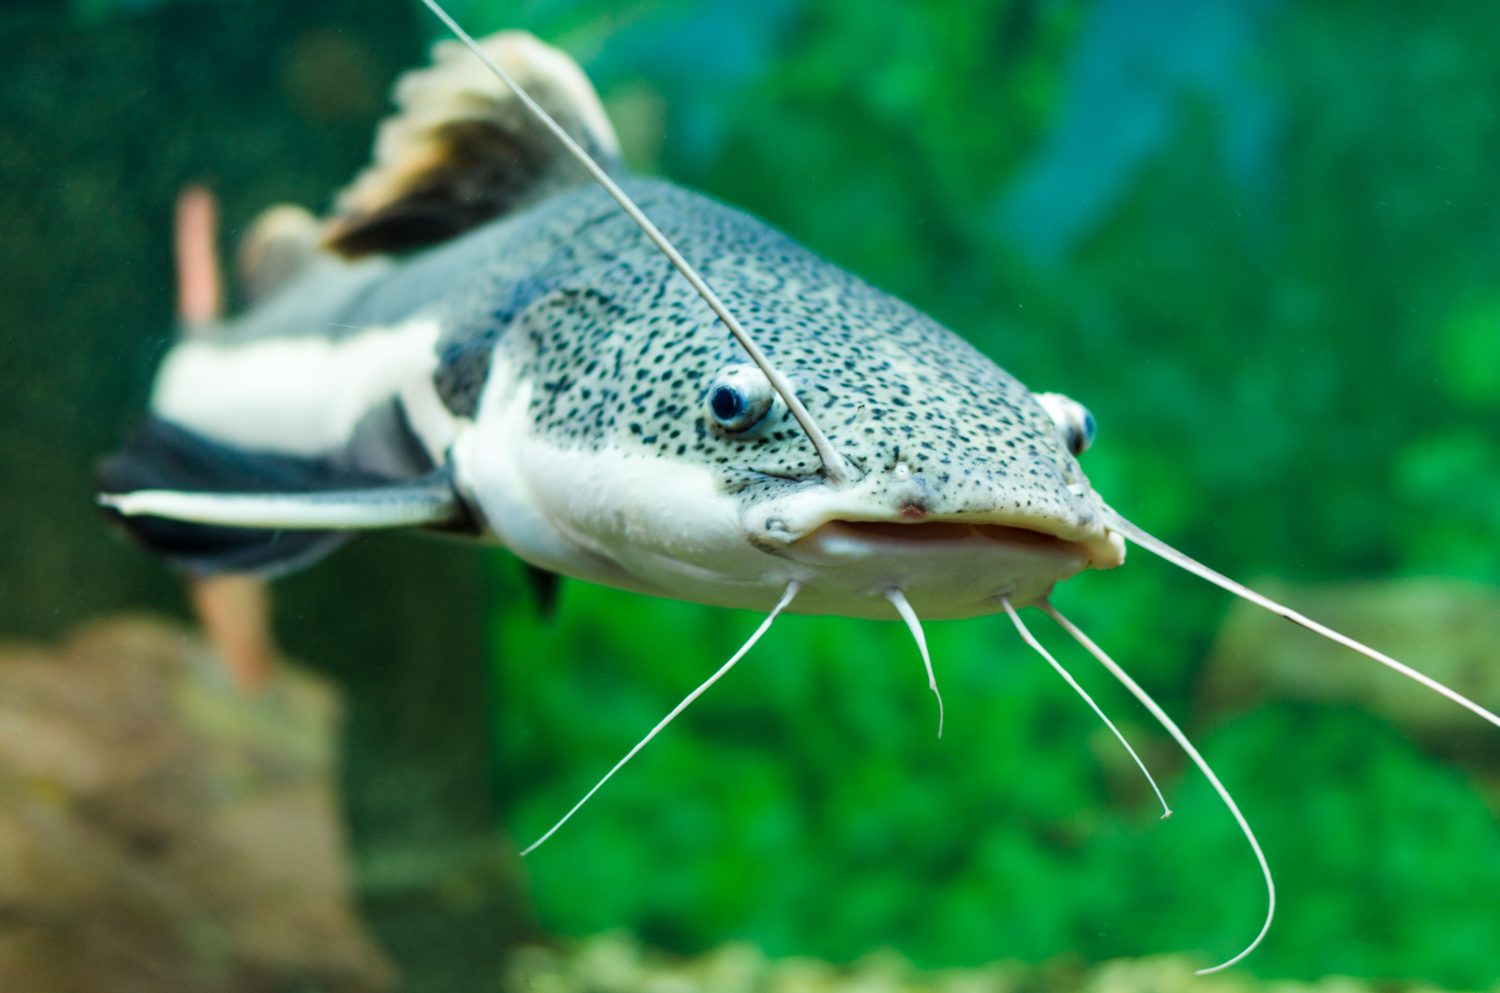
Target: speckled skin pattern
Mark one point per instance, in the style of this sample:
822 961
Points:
623 352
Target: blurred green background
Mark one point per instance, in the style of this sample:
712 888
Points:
1260 240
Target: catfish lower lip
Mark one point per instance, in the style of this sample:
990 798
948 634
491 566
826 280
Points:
843 538
940 532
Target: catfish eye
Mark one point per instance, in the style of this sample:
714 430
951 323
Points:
739 398
1073 420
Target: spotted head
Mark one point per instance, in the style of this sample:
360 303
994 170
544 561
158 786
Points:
654 442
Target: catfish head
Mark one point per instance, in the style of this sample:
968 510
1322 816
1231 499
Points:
624 435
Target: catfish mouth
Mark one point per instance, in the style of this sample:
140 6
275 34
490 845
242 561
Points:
946 568
937 535
945 532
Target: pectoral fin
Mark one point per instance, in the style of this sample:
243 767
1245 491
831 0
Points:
427 502
270 534
211 508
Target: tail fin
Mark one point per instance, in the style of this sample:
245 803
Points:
461 150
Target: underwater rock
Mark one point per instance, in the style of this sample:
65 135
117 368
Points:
1444 628
159 830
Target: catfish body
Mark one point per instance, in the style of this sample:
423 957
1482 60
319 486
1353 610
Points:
549 365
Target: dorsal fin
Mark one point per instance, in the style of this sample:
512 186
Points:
461 150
